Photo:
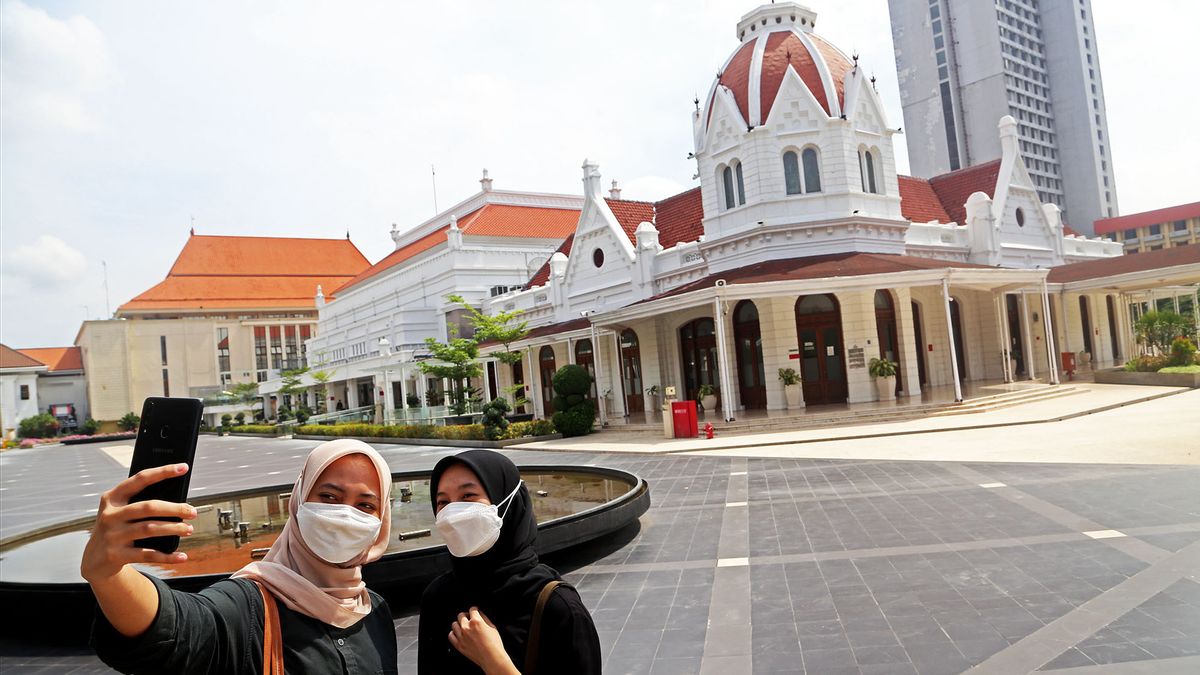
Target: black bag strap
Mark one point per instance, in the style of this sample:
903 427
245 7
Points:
535 627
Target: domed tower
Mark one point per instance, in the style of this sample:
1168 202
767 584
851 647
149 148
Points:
792 136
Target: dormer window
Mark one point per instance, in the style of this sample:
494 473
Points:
733 196
866 166
791 172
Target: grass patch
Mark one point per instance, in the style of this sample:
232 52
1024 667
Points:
1181 369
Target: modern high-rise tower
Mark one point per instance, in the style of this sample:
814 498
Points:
963 64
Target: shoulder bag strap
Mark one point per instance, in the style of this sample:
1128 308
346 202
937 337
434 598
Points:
535 627
272 635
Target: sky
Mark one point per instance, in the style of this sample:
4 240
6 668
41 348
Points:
124 124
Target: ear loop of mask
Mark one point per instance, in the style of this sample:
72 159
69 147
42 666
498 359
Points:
509 498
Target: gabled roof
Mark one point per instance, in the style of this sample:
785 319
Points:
209 255
919 203
11 358
56 358
490 220
953 188
220 272
1126 264
1155 217
679 218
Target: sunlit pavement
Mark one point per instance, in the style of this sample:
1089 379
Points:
786 564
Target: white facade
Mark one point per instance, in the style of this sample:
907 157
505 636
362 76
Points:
18 396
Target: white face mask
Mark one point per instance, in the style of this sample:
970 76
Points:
471 528
337 533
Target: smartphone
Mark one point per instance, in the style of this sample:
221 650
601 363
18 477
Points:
167 435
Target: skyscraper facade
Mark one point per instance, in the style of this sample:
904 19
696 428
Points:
963 64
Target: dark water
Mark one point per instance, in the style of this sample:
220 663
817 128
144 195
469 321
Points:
232 532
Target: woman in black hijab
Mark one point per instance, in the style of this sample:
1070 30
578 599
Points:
478 616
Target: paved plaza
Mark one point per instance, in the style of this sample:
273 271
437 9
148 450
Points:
753 564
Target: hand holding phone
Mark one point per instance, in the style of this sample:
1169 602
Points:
120 524
167 435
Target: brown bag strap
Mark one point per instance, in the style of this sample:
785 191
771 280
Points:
535 627
272 635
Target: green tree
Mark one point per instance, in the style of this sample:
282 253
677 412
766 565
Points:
456 360
293 385
1156 330
41 425
504 328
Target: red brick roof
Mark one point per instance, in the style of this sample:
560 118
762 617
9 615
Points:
679 219
56 358
11 358
953 188
849 264
1126 264
490 220
543 273
220 272
919 203
557 328
1155 217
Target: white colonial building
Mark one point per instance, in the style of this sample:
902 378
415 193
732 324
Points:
802 247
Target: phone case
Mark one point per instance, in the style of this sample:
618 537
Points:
167 435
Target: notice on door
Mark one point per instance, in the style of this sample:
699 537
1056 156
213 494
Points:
830 351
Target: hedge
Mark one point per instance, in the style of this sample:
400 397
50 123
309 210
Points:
255 429
461 432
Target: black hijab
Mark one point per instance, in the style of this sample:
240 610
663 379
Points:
504 580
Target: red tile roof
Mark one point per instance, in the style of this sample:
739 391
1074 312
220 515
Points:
56 358
849 264
953 188
919 203
490 220
679 219
1127 264
219 272
1155 217
558 328
11 358
543 274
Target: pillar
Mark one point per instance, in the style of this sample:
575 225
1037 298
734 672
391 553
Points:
950 334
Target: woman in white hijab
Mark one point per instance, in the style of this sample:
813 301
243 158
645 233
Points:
304 607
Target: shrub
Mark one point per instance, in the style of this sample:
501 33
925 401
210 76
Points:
1158 330
572 379
574 412
1182 351
255 429
495 424
226 420
413 401
90 427
284 414
240 418
1147 364
41 425
303 414
129 422
532 428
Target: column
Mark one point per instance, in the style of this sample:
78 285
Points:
1029 356
1000 333
950 333
422 387
907 349
446 391
597 355
571 351
351 394
1051 365
618 385
486 382
532 385
404 391
723 361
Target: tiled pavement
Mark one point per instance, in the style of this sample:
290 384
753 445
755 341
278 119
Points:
818 566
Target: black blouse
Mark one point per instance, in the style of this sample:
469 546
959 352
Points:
567 643
219 631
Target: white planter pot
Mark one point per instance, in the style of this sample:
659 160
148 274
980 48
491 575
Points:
792 395
709 403
885 387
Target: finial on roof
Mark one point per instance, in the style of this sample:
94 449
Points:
347 234
485 182
873 81
615 191
453 222
696 101
192 231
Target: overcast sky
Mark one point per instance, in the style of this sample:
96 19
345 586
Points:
121 122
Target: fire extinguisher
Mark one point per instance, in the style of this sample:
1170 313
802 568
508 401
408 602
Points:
708 430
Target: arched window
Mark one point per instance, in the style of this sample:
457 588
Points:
812 170
741 185
727 180
791 172
867 166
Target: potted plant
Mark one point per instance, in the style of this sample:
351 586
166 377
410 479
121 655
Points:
791 391
706 395
413 401
1083 358
652 393
884 372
